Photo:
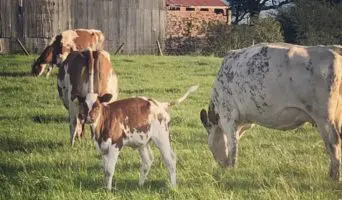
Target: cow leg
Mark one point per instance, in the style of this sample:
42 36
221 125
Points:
162 141
49 70
75 126
332 142
109 161
146 162
229 128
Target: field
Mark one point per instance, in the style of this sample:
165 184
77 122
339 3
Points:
37 161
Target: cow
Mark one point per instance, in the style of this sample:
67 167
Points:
132 122
79 74
64 43
279 86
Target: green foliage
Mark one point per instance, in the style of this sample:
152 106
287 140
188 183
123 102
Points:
223 38
37 161
252 8
312 22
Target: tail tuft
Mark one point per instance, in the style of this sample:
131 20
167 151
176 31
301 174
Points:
178 101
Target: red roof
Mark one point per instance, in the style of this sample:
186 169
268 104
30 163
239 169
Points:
213 3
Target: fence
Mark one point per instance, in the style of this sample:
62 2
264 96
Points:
136 23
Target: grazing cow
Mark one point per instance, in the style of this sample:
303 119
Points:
133 122
64 43
279 86
81 73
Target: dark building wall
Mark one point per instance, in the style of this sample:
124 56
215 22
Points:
137 23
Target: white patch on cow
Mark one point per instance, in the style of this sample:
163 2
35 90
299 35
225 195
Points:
91 98
136 139
68 38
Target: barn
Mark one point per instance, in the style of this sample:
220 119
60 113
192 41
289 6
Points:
137 24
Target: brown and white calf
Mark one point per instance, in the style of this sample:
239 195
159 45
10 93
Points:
64 43
80 74
133 122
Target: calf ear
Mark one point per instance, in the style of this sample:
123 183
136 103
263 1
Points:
105 98
204 118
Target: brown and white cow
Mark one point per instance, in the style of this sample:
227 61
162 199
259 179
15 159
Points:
279 86
64 43
133 122
79 74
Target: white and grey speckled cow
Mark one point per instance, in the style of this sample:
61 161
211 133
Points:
279 86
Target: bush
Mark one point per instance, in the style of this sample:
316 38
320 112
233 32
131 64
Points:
312 22
223 38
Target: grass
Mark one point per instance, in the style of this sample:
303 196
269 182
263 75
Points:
37 162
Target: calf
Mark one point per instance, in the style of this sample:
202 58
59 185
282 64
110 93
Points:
133 122
279 86
64 43
80 74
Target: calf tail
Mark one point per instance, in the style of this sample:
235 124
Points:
178 101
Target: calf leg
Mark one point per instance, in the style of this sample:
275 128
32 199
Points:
146 162
161 138
109 161
332 142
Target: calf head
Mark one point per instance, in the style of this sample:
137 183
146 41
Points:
217 139
91 105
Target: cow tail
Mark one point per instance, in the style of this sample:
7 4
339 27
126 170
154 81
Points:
98 72
178 101
91 71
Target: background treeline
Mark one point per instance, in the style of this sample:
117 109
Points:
305 22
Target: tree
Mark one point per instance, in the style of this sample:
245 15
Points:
223 38
312 22
252 8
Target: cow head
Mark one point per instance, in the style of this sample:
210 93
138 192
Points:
217 139
90 106
37 68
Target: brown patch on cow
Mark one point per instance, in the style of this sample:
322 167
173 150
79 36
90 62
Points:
85 39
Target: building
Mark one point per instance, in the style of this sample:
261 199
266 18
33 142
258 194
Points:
137 24
188 17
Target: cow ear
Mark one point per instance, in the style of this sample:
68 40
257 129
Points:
204 118
105 98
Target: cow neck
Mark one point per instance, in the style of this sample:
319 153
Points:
47 56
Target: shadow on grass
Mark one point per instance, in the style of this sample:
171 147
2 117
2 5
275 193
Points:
45 119
118 185
8 144
14 74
